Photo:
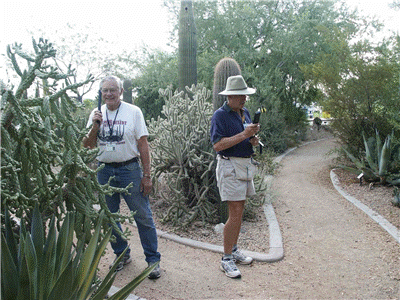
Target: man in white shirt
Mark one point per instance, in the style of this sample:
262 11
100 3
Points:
120 132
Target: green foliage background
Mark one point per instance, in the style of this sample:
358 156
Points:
295 54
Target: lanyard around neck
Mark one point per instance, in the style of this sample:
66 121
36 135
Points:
242 116
108 121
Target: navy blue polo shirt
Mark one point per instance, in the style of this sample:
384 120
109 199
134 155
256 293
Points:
226 123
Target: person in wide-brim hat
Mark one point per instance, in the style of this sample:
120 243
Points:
233 136
235 85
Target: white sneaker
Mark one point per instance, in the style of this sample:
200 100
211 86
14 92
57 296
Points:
230 269
240 258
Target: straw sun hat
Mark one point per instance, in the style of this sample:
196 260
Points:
235 85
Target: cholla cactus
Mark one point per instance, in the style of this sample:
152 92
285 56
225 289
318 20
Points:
42 160
182 155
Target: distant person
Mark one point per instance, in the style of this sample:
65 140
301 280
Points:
233 137
120 132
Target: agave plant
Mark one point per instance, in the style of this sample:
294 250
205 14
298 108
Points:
36 266
396 197
376 165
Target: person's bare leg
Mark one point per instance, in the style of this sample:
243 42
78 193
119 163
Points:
233 225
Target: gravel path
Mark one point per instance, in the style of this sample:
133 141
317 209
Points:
332 249
336 251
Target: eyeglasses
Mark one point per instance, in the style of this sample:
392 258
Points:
111 91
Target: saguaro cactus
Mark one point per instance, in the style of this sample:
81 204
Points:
225 68
187 68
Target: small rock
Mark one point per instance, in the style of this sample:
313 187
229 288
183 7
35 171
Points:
205 233
219 228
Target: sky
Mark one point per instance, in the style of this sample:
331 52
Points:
379 9
124 24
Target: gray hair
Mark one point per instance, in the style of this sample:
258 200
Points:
112 78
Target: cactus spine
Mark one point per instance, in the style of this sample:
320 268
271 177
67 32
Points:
187 68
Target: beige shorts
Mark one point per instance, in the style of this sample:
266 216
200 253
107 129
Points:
230 188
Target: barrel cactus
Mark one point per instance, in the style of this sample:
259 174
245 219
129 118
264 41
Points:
225 68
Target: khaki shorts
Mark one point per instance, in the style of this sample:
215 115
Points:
230 188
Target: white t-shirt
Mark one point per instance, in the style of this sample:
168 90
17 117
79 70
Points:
118 135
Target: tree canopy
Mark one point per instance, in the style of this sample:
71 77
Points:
294 52
274 42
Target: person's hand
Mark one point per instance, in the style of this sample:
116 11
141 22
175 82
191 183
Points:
252 129
97 117
254 141
146 185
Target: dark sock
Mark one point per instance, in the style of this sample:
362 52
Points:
227 257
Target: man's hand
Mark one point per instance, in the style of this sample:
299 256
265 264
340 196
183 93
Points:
228 142
97 117
251 130
254 141
90 141
146 186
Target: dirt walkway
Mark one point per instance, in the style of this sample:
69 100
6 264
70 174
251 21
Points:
332 250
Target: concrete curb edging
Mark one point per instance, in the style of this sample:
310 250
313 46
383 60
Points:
276 247
115 289
275 253
385 224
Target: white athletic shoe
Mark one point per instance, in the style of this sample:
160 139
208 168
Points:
240 258
229 267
